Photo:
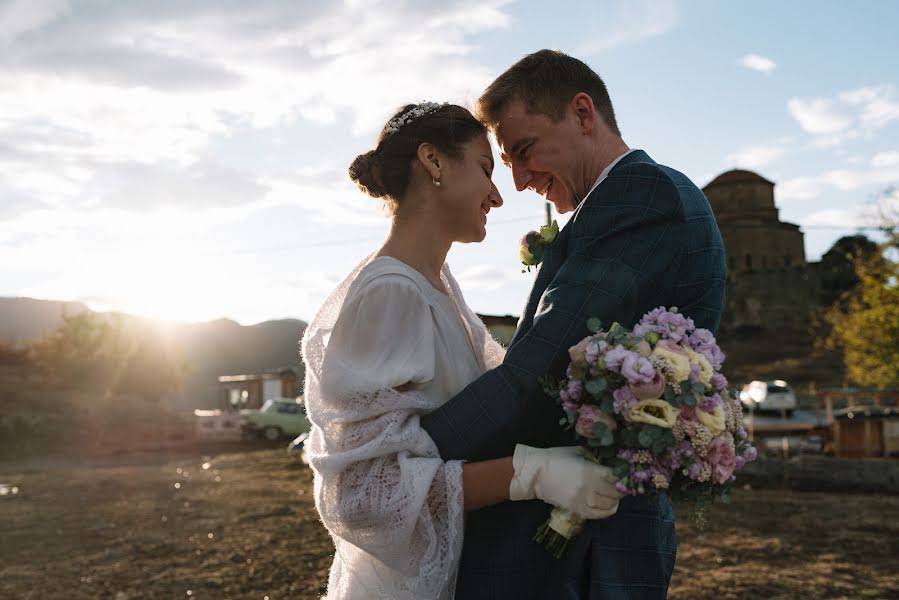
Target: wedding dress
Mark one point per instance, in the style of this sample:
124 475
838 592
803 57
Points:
393 508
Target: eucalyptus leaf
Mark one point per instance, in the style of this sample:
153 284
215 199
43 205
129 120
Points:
659 445
607 405
669 394
655 431
629 437
595 387
602 433
594 325
669 438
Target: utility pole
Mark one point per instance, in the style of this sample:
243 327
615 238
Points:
549 214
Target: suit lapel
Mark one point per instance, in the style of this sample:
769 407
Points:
553 258
556 254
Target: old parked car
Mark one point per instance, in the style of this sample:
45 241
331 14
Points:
772 396
278 417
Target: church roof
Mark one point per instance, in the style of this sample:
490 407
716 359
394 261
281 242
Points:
738 176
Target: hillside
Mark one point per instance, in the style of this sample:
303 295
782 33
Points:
211 349
24 320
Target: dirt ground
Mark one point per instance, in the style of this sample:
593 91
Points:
242 525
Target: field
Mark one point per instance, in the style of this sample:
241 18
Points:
219 523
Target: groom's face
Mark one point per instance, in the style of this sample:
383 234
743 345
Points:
541 154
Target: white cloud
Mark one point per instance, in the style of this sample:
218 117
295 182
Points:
858 215
819 116
799 188
486 277
885 159
123 106
759 63
850 115
835 217
754 157
845 180
627 22
21 16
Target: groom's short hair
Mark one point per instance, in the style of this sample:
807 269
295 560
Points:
545 82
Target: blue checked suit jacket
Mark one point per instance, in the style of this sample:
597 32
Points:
645 237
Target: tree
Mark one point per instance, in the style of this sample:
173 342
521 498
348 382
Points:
110 354
838 274
864 320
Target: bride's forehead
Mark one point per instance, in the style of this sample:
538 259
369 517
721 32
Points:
477 146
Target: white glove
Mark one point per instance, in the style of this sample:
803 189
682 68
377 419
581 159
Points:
564 478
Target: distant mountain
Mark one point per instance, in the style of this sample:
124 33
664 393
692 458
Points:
224 347
24 320
211 349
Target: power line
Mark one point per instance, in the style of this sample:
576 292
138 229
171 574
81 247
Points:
372 240
840 228
345 242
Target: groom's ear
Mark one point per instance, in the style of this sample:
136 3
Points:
430 159
585 111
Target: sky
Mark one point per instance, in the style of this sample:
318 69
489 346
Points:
187 160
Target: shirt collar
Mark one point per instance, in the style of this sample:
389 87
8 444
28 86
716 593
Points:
605 173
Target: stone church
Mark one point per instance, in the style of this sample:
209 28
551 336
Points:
770 285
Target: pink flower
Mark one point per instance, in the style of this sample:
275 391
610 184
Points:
578 352
588 416
643 349
650 390
575 390
671 346
637 369
615 356
687 413
722 458
624 400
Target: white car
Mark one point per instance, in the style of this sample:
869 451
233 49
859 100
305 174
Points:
277 417
769 396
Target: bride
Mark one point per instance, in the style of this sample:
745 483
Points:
396 340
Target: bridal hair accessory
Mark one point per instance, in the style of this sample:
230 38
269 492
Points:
419 110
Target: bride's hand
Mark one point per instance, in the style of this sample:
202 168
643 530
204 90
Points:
564 478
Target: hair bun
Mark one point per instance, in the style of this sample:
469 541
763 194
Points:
365 171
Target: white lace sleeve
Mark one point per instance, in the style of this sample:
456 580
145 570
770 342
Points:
380 486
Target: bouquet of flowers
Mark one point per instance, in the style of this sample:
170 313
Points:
651 404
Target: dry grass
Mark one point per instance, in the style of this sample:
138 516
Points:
122 530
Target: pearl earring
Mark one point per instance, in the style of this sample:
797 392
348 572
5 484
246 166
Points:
436 181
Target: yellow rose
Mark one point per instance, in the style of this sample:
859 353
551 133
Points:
526 257
653 412
549 232
714 420
677 361
705 368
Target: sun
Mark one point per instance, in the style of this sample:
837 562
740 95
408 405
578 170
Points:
169 283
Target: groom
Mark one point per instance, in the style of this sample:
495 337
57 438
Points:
642 235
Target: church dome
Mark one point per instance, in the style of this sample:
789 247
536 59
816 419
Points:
738 176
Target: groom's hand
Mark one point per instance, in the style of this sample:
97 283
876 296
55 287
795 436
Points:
564 478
